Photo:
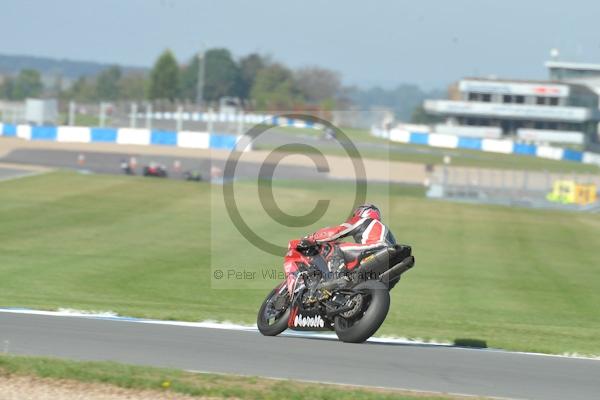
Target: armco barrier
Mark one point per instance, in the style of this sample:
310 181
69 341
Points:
163 138
9 130
222 141
572 155
523 148
24 132
103 135
469 143
74 134
487 145
146 137
44 133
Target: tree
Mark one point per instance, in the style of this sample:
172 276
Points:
274 88
82 90
318 85
133 86
6 88
27 84
107 85
222 75
420 116
164 78
404 99
249 68
189 80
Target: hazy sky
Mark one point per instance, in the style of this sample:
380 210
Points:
386 42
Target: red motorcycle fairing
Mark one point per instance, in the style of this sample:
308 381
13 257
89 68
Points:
300 318
294 258
291 262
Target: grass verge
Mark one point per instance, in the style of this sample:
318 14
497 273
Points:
512 278
215 386
430 155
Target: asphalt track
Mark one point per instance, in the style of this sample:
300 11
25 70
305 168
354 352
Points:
392 365
110 163
12 173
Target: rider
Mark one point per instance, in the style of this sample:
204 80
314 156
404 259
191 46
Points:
366 229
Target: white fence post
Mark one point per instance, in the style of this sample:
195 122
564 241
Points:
148 115
179 117
133 115
72 108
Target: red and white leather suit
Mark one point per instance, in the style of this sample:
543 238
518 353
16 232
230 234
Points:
365 227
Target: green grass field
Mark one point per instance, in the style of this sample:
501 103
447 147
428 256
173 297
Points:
515 278
428 155
82 119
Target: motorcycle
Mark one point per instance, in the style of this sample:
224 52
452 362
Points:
127 168
155 170
193 176
352 302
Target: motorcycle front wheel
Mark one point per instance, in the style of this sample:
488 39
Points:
375 306
271 321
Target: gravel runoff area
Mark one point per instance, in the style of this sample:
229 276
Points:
34 388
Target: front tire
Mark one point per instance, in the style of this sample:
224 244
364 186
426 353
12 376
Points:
272 326
373 314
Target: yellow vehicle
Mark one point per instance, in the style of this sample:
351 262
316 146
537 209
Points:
569 192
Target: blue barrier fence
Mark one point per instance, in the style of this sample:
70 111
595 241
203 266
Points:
489 145
201 140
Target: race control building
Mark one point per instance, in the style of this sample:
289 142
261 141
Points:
533 111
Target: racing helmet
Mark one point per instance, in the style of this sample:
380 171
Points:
367 211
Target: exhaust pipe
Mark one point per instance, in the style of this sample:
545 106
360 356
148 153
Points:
397 269
376 265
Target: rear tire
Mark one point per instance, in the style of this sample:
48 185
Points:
277 326
357 331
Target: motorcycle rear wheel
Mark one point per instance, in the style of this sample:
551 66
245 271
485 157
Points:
272 327
376 297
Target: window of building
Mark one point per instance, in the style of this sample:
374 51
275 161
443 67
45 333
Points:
548 125
547 101
508 98
519 99
473 96
486 97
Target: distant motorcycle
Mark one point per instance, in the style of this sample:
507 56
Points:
126 168
156 170
193 176
328 134
354 303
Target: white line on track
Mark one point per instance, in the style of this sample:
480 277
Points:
111 316
24 175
